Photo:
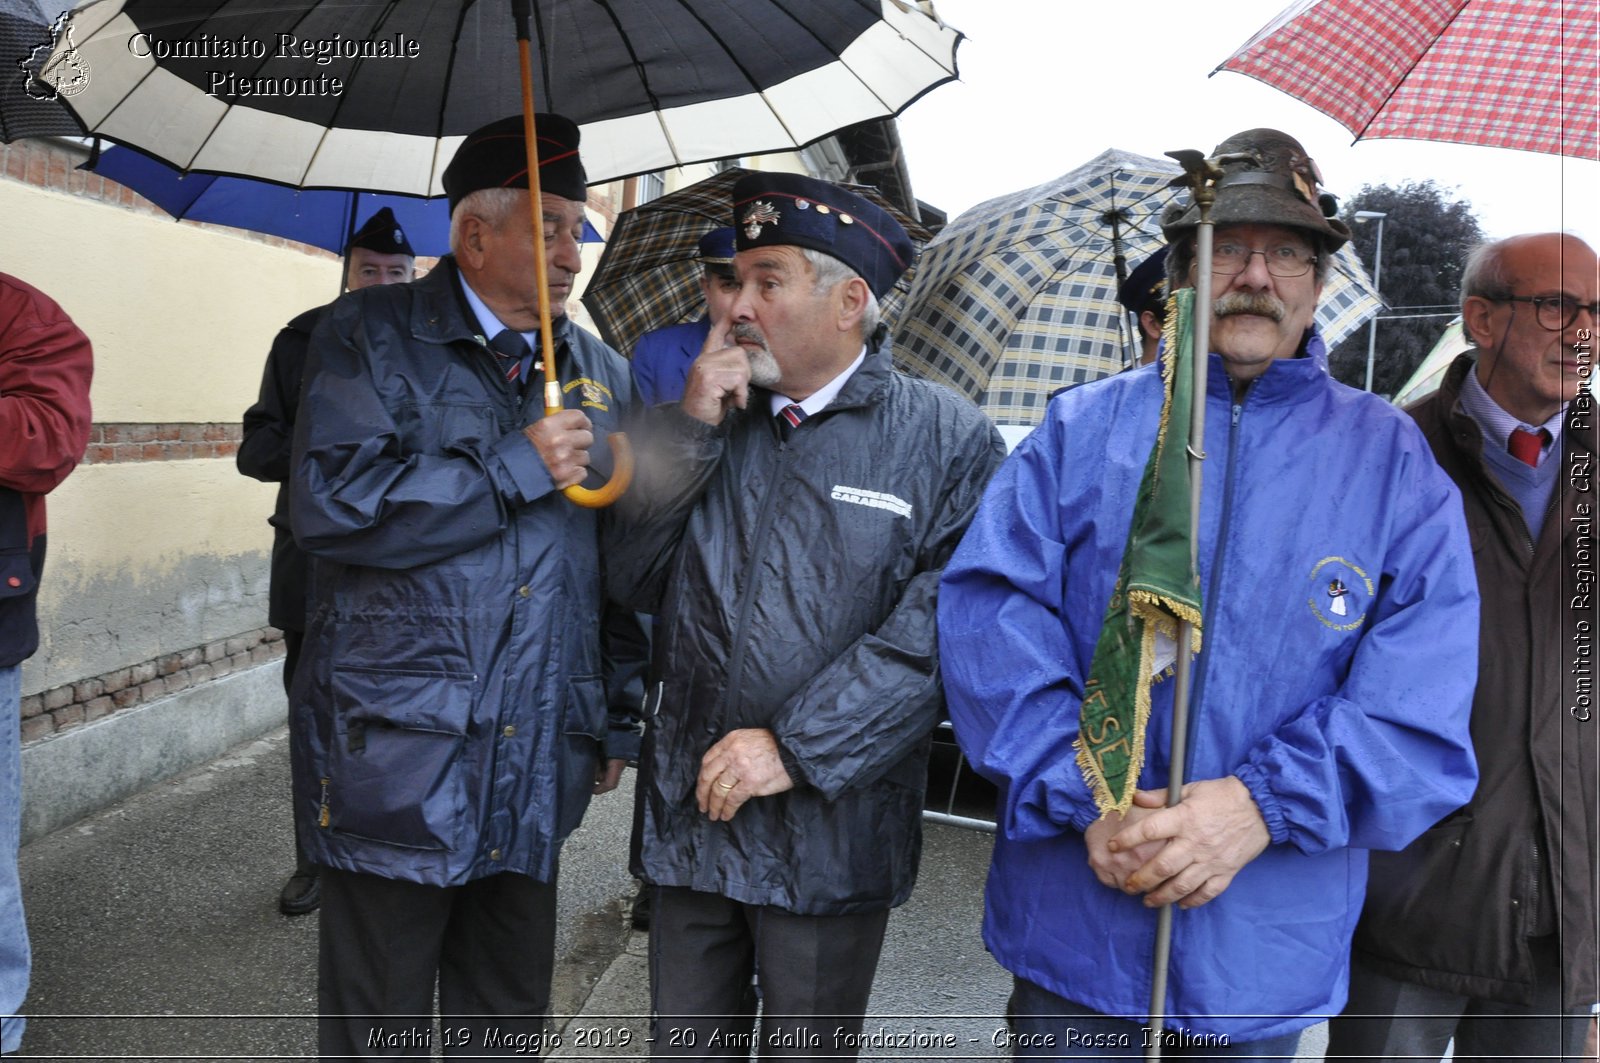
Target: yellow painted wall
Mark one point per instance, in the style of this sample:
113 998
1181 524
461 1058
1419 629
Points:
147 559
150 558
181 315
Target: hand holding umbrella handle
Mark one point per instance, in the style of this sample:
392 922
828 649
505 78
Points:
621 467
621 477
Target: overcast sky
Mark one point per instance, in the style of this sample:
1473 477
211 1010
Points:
1048 84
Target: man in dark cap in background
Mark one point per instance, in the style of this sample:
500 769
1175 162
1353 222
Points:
791 553
452 700
1144 295
1330 704
662 357
378 253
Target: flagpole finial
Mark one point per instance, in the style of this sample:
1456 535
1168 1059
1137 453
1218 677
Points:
1200 175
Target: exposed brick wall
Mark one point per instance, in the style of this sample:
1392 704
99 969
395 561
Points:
110 443
86 700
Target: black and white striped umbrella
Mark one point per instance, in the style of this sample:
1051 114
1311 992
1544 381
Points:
377 94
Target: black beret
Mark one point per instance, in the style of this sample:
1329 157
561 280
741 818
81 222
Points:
381 233
496 156
772 209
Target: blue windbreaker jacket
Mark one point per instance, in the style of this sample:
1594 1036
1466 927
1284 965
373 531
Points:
1345 715
662 357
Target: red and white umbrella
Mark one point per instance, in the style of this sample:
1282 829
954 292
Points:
1498 73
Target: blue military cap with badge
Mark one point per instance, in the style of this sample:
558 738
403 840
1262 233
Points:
716 247
787 209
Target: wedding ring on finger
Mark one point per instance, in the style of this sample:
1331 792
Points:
726 786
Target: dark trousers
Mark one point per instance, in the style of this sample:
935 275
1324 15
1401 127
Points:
1386 1018
490 944
300 788
712 958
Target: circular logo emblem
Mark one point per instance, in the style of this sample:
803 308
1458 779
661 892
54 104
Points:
1340 593
65 72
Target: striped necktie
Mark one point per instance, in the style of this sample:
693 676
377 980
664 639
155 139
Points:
789 419
512 351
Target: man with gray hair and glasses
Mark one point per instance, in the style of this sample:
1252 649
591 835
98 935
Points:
1483 929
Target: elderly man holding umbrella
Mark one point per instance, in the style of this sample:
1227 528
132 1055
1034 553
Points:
451 702
1339 618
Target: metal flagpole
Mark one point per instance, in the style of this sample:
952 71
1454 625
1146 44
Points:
1200 174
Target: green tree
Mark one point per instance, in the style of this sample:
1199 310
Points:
1426 237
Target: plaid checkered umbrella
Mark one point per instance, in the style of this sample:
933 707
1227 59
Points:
1500 73
1018 296
649 275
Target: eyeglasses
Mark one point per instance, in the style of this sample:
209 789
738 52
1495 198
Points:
1554 313
1285 260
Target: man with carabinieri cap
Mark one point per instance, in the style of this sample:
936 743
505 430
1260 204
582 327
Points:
793 513
1144 295
662 357
452 704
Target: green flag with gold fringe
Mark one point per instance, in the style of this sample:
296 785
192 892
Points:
1156 588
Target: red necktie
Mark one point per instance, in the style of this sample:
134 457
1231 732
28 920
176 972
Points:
1525 446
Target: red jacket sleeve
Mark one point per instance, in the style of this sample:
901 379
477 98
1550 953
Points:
45 367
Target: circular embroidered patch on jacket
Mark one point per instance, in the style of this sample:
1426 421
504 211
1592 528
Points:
1341 593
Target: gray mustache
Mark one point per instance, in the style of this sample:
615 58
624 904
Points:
1249 303
746 331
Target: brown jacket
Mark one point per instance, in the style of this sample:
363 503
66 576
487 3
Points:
1454 909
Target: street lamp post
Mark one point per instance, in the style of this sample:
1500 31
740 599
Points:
1377 273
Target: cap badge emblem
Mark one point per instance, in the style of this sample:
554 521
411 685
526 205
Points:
760 213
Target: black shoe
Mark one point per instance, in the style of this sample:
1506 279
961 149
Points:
641 907
301 894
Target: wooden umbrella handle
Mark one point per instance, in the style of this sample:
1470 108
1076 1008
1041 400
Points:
622 472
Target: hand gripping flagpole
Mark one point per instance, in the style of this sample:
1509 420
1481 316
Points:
622 453
1200 174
